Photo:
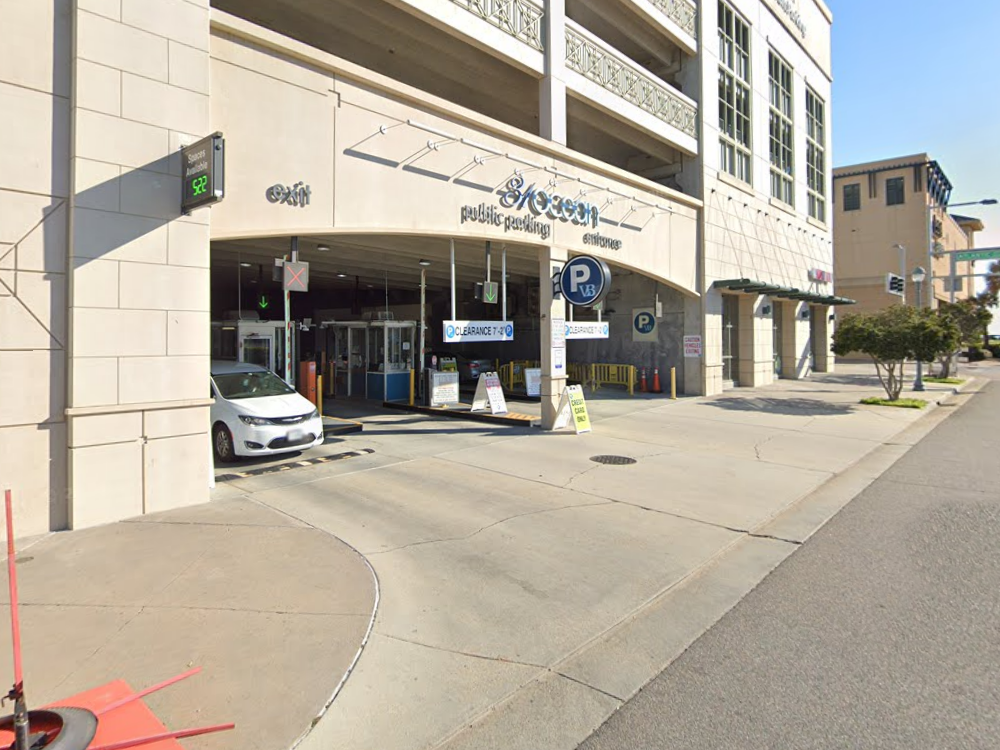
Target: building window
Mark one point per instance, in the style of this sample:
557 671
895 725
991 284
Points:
781 129
895 188
734 94
852 197
816 154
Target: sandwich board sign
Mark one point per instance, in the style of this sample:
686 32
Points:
533 381
572 408
444 388
489 393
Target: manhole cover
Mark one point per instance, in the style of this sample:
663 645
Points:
613 460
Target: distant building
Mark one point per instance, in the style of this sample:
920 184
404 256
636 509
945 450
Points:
883 206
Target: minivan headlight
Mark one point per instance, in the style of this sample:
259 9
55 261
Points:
258 421
315 413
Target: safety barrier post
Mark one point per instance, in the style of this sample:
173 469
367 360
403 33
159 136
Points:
673 383
411 387
319 395
631 380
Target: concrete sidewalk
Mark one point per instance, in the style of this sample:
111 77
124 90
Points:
274 611
528 591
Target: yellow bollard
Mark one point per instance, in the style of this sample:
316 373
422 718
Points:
319 395
673 383
411 387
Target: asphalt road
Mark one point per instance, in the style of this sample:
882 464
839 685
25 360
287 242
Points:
882 631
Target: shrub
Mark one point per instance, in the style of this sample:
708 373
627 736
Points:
903 403
894 335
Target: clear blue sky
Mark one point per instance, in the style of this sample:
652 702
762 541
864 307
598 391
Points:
922 75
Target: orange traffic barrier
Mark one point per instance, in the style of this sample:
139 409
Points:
642 382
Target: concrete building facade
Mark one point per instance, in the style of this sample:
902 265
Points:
891 216
766 184
370 137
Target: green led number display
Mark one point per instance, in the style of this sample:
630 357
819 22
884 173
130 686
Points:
203 169
199 185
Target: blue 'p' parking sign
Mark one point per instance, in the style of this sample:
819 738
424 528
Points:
585 281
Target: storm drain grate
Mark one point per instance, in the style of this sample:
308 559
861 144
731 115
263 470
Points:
613 460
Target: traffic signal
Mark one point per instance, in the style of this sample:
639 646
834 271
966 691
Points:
895 284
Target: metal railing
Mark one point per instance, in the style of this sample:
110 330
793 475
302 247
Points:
520 19
681 12
616 74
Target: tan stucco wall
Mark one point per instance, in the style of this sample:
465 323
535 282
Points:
103 286
139 302
370 170
34 185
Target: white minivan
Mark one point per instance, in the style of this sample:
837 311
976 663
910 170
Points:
256 413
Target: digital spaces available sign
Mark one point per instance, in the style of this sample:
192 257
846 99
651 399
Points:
203 167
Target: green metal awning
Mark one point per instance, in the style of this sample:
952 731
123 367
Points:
733 283
750 286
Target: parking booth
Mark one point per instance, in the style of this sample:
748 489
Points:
372 359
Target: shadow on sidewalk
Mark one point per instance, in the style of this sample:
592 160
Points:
862 381
803 407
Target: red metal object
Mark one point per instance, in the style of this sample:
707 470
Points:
15 624
143 693
180 734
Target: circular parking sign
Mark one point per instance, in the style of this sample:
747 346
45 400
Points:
585 281
644 322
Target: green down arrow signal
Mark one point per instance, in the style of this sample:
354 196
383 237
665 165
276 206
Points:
490 292
263 303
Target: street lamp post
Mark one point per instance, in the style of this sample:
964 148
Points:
919 274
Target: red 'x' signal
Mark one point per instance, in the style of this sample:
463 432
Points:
296 276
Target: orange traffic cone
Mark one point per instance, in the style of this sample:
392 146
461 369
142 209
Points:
656 380
642 382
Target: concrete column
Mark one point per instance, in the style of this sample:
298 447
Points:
712 342
139 271
756 347
550 260
552 91
823 331
795 342
694 367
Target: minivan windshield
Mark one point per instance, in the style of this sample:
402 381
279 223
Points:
237 385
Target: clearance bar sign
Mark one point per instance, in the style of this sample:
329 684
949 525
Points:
478 330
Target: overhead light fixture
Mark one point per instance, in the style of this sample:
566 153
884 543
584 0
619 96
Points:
424 262
244 264
323 248
341 275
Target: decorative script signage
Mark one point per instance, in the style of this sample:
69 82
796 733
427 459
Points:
540 206
793 15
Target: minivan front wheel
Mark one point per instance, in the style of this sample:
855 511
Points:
222 443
